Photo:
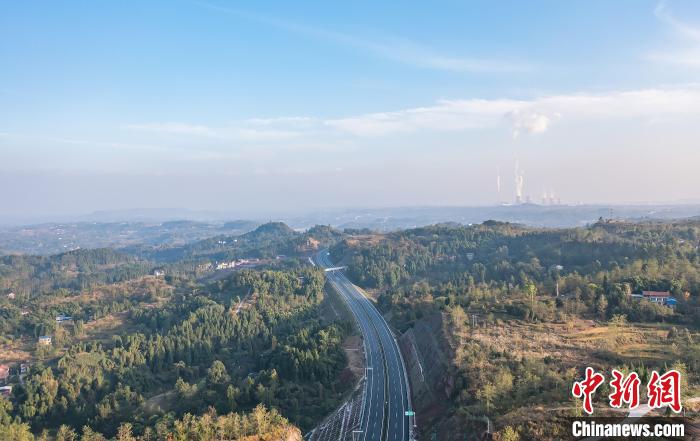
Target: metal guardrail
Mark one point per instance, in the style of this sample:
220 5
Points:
340 425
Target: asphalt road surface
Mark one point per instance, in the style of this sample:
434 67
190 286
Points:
387 394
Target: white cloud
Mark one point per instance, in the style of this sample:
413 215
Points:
282 120
529 121
252 134
174 128
445 115
527 116
534 116
249 130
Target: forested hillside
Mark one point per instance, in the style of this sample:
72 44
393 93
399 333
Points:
74 270
54 238
267 241
249 355
494 320
521 311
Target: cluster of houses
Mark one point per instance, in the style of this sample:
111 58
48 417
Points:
227 264
658 297
244 263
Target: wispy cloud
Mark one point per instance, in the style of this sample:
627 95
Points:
445 115
534 116
420 56
39 140
687 52
174 128
663 13
250 130
392 48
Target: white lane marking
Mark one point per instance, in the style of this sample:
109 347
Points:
348 291
368 354
394 350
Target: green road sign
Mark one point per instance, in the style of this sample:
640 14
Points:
409 413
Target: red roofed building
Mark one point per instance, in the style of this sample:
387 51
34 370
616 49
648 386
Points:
660 297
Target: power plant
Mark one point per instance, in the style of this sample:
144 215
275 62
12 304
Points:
548 196
519 181
498 183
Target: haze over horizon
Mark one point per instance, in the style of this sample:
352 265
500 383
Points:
206 106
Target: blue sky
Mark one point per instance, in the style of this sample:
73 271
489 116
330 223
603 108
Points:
252 105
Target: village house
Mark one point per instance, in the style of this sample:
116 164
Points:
45 340
5 391
4 373
658 297
11 296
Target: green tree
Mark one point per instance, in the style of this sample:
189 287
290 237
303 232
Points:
531 292
66 433
486 395
91 435
509 434
15 432
124 433
602 306
5 411
216 374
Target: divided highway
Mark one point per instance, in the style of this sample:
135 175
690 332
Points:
387 394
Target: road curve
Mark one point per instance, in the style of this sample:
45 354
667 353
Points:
387 393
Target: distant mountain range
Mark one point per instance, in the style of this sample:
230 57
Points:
53 238
175 227
557 216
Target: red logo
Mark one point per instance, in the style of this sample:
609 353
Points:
662 390
665 390
587 387
625 390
